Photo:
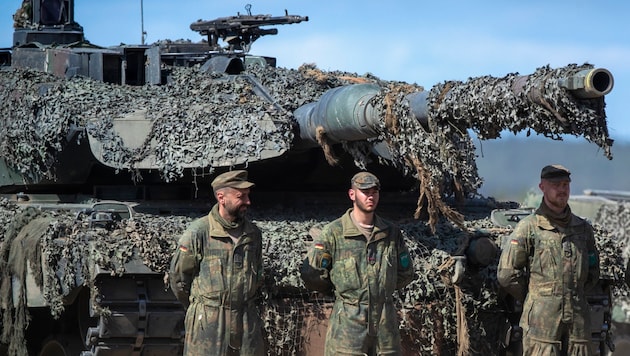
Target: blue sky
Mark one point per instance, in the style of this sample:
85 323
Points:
423 42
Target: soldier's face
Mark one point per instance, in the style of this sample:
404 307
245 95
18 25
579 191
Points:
365 200
556 193
234 201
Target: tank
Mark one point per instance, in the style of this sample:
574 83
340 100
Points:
108 152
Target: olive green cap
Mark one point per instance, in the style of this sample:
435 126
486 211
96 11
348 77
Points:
555 172
233 179
365 180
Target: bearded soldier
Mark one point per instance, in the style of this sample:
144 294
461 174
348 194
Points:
216 272
549 261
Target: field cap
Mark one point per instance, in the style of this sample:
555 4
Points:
233 179
555 172
365 180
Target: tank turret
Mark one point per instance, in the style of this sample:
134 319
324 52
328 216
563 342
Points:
167 133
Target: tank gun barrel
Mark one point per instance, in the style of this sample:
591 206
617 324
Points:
350 113
590 83
584 84
344 113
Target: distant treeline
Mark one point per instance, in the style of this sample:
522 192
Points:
510 167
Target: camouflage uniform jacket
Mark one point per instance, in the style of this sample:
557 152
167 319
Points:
220 280
553 267
364 273
560 262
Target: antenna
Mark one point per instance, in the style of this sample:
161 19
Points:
144 33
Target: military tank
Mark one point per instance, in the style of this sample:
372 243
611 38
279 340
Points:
107 154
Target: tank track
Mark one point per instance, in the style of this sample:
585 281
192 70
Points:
138 315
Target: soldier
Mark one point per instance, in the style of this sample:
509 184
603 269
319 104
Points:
549 261
363 258
216 272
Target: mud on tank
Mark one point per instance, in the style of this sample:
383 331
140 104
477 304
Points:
126 139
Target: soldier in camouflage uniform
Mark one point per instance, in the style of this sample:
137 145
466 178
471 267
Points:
548 261
216 272
363 258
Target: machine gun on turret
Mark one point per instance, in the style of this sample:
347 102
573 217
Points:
242 30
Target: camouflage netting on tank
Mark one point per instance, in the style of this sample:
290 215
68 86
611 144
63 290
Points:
205 120
64 251
195 118
428 307
615 218
209 119
490 105
442 155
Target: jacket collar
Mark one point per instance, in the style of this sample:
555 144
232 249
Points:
349 229
544 223
216 230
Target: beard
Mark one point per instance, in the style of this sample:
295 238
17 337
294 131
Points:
237 212
558 202
364 207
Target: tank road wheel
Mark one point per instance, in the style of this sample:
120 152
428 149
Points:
61 345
